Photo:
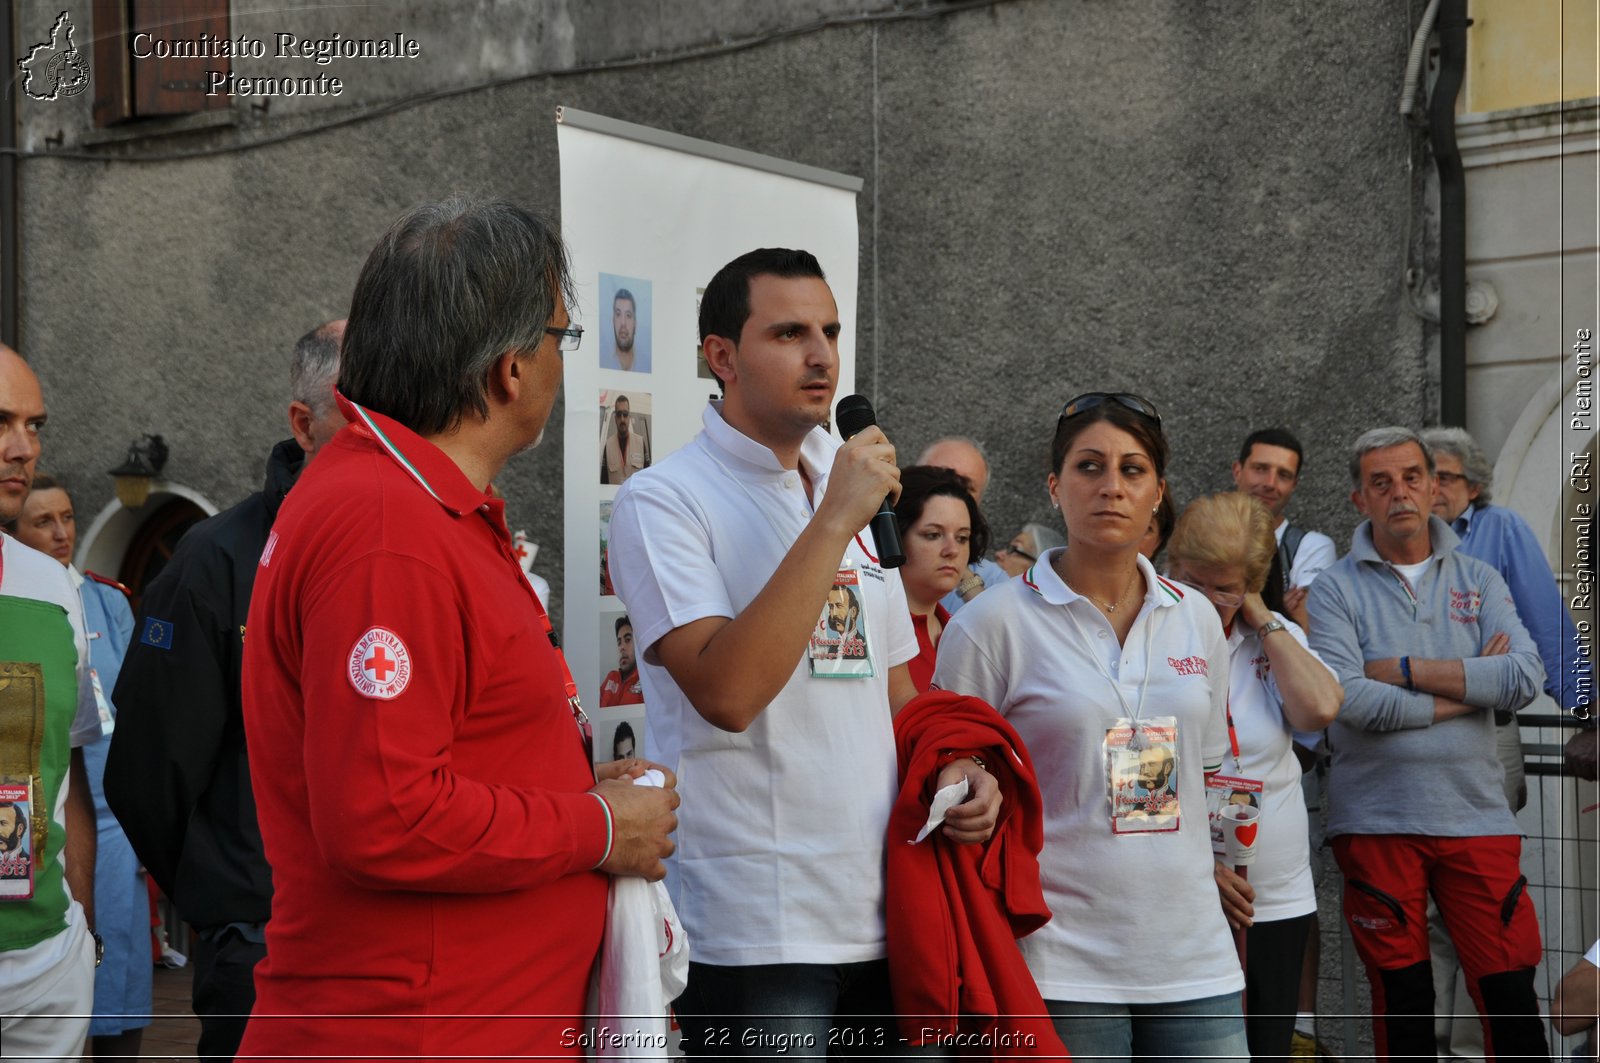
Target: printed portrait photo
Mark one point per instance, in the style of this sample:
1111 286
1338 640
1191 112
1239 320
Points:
624 323
624 434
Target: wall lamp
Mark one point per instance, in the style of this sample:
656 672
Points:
147 456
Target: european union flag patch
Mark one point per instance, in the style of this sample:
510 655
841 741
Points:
157 633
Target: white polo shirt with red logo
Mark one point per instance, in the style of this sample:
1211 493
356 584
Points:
1136 918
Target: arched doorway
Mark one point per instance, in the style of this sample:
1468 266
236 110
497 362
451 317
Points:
154 542
135 544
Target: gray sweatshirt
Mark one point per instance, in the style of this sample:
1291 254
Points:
1394 770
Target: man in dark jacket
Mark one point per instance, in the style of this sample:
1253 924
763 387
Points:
177 777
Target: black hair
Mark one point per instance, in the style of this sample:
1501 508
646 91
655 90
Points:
725 303
918 483
1146 430
1275 437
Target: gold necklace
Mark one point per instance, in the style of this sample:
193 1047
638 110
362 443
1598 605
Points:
1109 607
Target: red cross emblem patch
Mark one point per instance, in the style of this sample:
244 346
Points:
380 665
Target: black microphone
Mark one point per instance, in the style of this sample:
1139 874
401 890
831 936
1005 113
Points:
854 414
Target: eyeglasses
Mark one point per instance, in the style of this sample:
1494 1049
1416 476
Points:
570 337
1013 548
1226 599
1090 399
1447 479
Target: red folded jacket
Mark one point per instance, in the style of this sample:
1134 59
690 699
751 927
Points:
954 911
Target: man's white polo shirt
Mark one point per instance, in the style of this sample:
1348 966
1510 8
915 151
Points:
780 835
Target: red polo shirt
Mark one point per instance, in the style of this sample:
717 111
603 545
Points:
418 773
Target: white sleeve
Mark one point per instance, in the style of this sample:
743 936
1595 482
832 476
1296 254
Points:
1316 553
1214 741
661 564
965 665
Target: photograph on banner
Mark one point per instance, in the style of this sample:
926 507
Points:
702 368
619 667
624 434
619 733
625 338
605 541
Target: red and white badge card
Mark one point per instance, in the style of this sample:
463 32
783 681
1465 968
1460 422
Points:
1142 774
1224 790
16 841
839 648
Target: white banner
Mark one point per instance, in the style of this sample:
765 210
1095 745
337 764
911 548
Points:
649 216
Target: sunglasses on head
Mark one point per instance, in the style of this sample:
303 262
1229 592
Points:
1090 399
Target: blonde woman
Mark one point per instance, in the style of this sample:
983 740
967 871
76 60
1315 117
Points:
1223 548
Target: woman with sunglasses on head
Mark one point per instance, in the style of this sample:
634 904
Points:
942 532
1117 681
1223 547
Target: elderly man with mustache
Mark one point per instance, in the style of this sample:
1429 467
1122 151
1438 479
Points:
1428 646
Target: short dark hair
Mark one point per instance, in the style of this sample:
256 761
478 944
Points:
918 483
1146 430
623 293
624 730
1275 437
623 622
41 482
449 288
1166 518
725 303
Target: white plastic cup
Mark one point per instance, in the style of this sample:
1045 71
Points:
1240 825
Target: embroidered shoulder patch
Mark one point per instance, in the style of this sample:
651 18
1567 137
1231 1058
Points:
157 633
379 665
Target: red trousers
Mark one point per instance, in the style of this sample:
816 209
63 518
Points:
1481 893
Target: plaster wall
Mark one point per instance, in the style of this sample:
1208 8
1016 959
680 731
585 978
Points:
1196 201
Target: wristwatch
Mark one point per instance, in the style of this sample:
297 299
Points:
1269 627
99 947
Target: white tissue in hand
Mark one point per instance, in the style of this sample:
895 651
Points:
943 801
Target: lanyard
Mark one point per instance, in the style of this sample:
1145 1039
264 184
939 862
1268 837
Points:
579 717
1116 688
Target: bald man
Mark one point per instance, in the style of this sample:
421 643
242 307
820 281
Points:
48 951
966 458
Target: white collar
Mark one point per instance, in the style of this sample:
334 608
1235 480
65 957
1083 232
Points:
757 459
1044 581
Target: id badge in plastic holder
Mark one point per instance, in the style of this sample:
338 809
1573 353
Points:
1224 790
18 841
840 647
1142 775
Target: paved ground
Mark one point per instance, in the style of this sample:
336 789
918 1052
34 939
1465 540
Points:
175 1030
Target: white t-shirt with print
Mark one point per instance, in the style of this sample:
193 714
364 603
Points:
27 573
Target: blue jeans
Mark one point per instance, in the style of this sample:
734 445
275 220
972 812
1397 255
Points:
796 1010
1202 1030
